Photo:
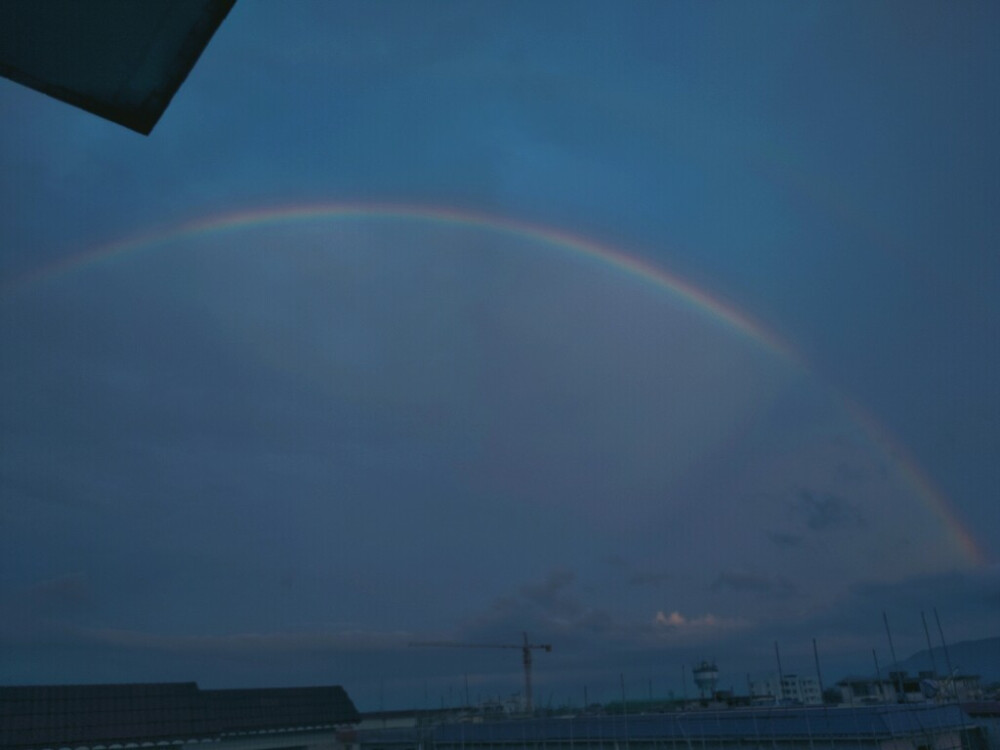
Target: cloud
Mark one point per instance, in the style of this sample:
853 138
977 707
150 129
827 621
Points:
634 576
675 621
859 473
40 611
547 592
649 578
964 598
850 625
251 643
784 539
827 511
545 609
67 594
740 582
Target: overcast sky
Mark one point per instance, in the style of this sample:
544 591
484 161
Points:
278 452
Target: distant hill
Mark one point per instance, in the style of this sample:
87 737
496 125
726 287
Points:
968 657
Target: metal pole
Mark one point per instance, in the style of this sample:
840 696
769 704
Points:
878 674
947 658
892 652
930 648
527 674
781 677
822 694
621 677
819 675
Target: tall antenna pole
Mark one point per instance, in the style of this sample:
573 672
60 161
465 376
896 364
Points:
878 673
621 676
381 700
947 658
892 652
819 675
781 676
930 648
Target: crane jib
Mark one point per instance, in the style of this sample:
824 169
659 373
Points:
525 647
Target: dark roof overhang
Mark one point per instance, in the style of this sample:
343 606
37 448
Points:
122 60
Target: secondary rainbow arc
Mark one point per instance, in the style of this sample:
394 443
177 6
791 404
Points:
712 306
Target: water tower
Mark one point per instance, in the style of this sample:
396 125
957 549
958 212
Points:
706 675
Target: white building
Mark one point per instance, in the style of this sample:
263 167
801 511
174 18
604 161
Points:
789 689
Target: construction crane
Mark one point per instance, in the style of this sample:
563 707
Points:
525 656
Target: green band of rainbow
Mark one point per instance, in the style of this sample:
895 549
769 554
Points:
614 260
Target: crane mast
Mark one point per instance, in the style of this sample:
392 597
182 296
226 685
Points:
526 649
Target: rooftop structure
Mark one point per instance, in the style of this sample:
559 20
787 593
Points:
706 675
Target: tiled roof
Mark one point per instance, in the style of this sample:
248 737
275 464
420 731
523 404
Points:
52 716
280 708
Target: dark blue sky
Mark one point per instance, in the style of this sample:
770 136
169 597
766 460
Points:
277 454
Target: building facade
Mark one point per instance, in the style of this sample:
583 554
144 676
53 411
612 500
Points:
789 689
900 687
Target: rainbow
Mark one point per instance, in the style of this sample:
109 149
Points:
612 259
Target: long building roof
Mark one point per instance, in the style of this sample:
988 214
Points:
52 716
765 723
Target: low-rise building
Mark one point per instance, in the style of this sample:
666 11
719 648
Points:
789 689
900 687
